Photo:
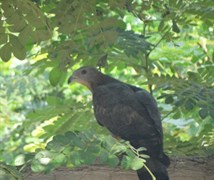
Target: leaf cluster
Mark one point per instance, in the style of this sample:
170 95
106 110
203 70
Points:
22 25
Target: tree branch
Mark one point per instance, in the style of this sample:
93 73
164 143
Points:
147 60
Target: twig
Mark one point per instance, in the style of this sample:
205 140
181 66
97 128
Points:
136 152
158 42
147 59
169 113
144 29
153 177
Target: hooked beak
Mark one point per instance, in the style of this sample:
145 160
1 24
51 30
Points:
70 80
73 78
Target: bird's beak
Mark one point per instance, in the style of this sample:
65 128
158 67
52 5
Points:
70 80
73 78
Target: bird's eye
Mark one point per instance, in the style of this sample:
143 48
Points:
83 71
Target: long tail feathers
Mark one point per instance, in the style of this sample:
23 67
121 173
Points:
165 160
158 161
158 169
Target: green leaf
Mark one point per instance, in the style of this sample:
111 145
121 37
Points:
175 27
53 145
144 156
77 142
2 28
102 61
8 157
109 23
93 148
137 163
9 172
125 163
211 112
25 36
70 135
19 160
169 99
36 166
18 24
203 113
141 149
189 104
75 158
41 35
87 157
134 163
53 100
5 52
54 76
3 38
17 48
177 115
59 159
63 140
161 26
112 160
172 2
104 156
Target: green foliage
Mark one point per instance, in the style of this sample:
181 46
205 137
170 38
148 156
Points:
165 47
22 25
75 148
9 173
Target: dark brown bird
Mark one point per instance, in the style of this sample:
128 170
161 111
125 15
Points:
130 113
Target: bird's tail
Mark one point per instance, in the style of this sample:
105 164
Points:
158 169
157 163
165 160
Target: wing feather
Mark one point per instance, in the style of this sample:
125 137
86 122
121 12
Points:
151 106
118 108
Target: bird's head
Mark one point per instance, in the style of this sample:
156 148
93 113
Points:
86 76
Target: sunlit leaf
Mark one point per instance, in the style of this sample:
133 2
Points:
137 163
19 160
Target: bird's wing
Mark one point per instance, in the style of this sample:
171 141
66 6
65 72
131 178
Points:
146 100
121 110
